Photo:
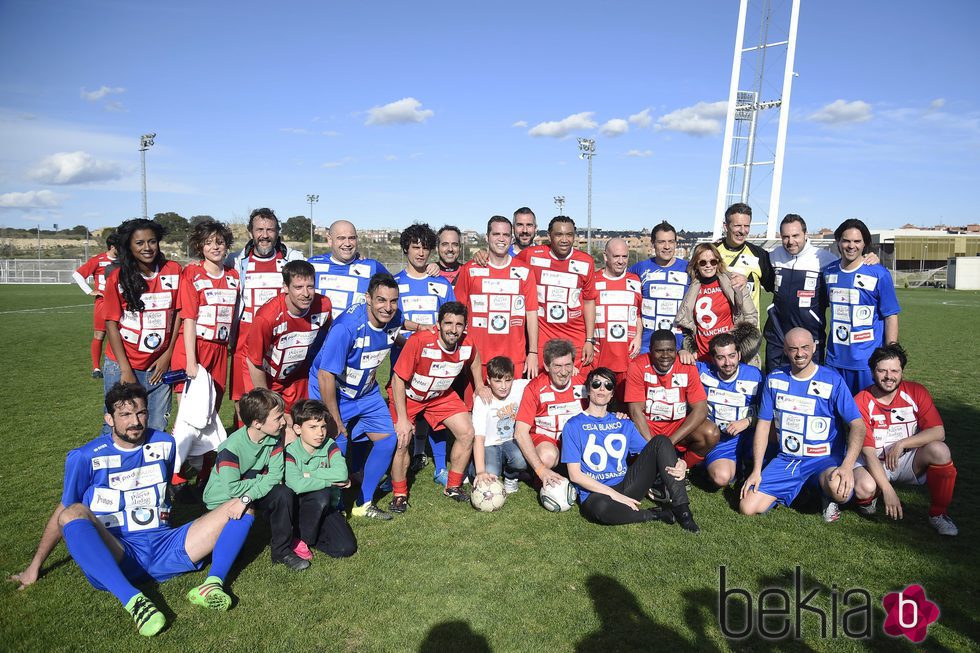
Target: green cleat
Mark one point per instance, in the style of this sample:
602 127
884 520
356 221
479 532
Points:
210 594
149 620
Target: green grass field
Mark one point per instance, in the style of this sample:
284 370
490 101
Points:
446 578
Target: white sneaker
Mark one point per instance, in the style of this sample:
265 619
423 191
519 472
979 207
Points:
944 525
868 509
831 511
511 486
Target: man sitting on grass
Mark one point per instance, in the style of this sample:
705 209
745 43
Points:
114 515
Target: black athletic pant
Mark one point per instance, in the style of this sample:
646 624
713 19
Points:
656 456
322 526
279 508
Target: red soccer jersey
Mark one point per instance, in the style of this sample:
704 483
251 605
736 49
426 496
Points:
665 397
911 410
146 333
429 370
563 284
279 342
209 300
617 306
262 282
95 267
546 408
712 315
496 301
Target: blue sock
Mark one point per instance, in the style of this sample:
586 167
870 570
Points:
91 554
358 454
229 544
437 441
378 461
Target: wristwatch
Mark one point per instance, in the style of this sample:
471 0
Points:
245 499
591 341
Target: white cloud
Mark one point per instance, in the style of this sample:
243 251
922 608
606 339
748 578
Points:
32 199
640 154
96 95
336 164
564 127
330 133
938 103
702 119
842 112
641 119
293 130
115 107
615 127
391 157
406 110
520 123
74 168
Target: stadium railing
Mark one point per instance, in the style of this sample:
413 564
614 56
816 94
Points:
45 270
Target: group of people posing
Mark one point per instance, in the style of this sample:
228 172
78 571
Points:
525 363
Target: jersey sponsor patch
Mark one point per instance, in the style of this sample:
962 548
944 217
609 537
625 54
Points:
105 500
819 389
479 272
709 381
578 267
678 381
138 477
863 316
746 387
501 286
106 462
817 428
445 369
865 281
791 422
726 397
794 404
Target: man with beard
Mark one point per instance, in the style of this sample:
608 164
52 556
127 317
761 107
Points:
525 229
664 280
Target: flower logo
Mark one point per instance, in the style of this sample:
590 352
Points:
909 613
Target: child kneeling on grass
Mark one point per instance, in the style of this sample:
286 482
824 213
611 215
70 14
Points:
249 467
315 474
494 450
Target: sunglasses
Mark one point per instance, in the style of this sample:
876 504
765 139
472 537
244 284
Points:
608 385
703 263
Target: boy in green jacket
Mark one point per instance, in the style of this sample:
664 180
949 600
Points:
315 474
249 467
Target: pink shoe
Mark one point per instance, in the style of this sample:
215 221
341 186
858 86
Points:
300 549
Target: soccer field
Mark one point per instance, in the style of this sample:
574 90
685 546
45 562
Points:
446 578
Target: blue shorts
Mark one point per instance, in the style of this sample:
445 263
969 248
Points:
369 414
158 555
738 449
785 475
855 380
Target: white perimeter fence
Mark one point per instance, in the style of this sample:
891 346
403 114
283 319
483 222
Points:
45 270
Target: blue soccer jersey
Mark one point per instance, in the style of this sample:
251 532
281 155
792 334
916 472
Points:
731 400
345 284
353 351
860 300
420 301
125 488
805 411
600 446
663 290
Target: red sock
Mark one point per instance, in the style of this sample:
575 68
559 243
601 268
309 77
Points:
455 479
399 488
940 479
177 479
96 354
865 502
692 458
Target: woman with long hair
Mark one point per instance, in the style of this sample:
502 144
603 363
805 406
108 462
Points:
712 305
140 310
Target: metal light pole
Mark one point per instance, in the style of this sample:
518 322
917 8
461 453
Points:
560 203
146 140
312 199
586 148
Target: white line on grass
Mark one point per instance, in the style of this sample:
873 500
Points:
41 310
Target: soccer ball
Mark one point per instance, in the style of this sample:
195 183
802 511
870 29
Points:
488 497
558 498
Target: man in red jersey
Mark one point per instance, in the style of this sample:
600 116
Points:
96 268
422 384
286 334
502 302
665 397
566 294
619 296
549 401
259 267
904 442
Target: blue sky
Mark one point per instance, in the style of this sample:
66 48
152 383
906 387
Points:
455 111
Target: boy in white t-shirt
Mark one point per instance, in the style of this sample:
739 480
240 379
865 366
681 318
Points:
494 451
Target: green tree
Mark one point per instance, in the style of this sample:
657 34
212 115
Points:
176 225
296 228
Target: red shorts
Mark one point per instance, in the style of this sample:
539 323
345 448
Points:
538 438
435 411
212 356
293 391
98 314
667 429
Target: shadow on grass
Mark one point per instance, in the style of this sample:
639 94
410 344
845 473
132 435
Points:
453 636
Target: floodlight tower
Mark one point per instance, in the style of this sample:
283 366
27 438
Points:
751 140
586 148
560 203
146 141
312 199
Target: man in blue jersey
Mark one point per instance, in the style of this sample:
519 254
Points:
664 281
863 306
343 378
342 275
115 517
804 402
420 297
733 401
